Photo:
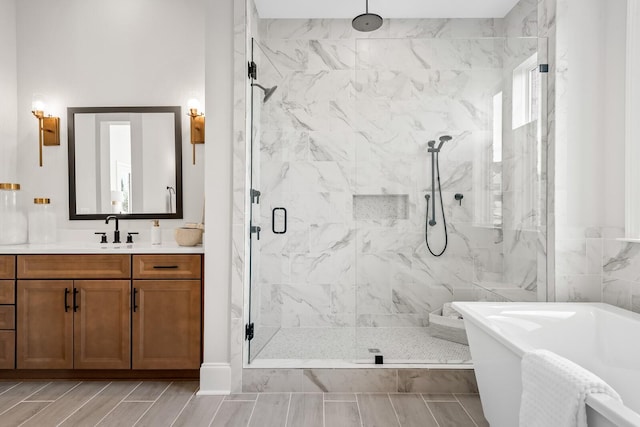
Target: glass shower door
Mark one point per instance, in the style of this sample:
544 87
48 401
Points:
268 264
487 95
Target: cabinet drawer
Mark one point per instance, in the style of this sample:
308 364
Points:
74 266
166 266
7 267
7 317
7 350
7 292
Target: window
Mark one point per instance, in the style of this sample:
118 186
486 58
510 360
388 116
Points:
526 82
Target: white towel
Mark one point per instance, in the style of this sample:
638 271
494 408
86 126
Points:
554 391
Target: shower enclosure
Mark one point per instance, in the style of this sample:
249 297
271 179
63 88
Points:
340 167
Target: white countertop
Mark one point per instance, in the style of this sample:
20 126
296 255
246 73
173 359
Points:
100 248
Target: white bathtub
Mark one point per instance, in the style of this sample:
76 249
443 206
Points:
599 337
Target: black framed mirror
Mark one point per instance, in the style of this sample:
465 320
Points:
125 161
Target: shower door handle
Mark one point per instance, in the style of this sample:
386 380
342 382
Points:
283 228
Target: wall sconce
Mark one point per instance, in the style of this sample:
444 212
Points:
197 125
48 126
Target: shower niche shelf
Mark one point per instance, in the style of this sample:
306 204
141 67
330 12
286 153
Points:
380 206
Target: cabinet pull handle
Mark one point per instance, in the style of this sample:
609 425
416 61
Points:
135 306
75 294
165 266
66 301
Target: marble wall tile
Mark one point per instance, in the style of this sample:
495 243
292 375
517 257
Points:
594 252
332 54
326 237
546 16
436 381
428 28
621 260
375 239
571 256
283 145
420 299
271 380
350 380
635 297
237 270
306 29
236 353
617 292
488 265
579 288
343 298
522 20
307 87
332 146
287 54
443 54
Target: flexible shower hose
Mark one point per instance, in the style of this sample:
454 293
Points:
444 220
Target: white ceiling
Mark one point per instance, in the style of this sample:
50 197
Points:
340 9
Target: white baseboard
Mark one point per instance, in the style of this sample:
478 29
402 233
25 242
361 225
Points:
215 379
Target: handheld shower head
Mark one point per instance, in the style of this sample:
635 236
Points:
443 139
267 91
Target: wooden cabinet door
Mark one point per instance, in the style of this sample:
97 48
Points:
102 324
45 324
7 350
166 324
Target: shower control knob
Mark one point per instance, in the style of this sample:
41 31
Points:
459 198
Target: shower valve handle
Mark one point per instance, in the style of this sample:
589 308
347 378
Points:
459 198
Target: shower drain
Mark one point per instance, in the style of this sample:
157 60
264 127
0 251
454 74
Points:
374 350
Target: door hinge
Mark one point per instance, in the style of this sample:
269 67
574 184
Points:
248 331
253 70
255 229
544 68
255 196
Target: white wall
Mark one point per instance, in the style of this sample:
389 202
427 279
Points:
8 92
590 264
215 374
80 53
594 167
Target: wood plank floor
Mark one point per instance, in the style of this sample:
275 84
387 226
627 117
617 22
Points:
158 403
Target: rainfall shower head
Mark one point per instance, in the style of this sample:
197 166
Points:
267 91
367 21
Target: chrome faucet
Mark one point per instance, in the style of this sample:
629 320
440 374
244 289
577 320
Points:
116 233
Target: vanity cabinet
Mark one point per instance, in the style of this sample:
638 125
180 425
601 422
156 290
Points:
95 312
166 311
75 323
102 312
7 312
